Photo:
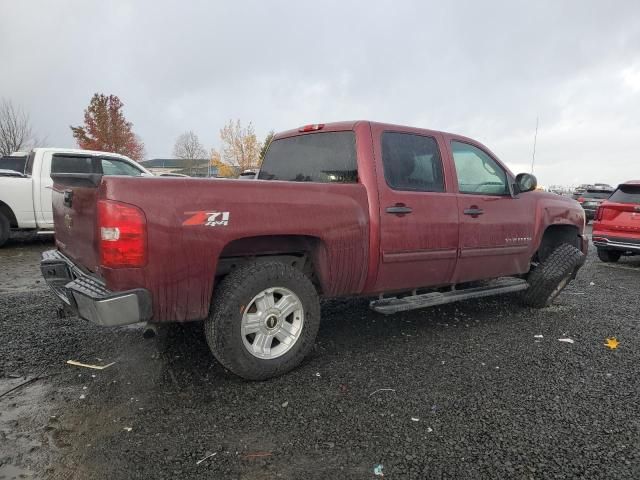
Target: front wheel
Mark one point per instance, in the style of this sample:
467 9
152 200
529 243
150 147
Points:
609 256
552 276
264 320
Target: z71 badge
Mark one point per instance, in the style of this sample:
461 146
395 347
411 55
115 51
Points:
208 219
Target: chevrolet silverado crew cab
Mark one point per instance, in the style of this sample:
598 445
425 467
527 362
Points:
25 183
407 217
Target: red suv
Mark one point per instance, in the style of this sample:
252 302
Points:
616 227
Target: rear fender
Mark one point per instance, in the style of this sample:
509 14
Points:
305 252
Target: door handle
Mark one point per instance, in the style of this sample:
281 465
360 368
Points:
399 209
474 211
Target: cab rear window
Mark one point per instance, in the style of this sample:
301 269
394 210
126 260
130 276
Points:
17 164
328 157
626 194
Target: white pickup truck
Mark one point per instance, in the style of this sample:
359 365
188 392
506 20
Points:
25 194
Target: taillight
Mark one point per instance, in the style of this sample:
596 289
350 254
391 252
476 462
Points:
311 128
123 235
598 215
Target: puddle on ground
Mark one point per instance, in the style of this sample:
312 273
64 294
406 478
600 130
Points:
11 472
23 413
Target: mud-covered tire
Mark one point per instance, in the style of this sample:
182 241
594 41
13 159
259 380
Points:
609 256
5 229
231 301
550 277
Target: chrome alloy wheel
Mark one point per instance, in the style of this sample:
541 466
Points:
272 323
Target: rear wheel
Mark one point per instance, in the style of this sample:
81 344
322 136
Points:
552 276
5 228
264 320
609 256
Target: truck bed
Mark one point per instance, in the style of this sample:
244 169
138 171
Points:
191 223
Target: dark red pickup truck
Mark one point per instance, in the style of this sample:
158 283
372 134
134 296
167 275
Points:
407 216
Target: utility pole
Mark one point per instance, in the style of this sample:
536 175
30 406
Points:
535 138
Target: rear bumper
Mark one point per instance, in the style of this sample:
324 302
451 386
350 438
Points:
621 244
88 297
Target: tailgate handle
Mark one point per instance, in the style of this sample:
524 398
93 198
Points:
399 209
473 211
68 198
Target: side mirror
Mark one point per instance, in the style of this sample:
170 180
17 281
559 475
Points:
525 182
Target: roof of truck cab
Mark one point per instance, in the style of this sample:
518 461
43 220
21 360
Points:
632 182
350 125
78 150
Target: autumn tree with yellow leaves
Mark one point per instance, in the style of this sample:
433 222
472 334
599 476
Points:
224 169
240 147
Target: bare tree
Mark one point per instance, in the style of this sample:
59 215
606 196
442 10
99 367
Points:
15 129
189 148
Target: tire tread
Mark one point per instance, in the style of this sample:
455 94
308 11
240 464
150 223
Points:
563 261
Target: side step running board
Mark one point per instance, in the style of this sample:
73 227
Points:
494 287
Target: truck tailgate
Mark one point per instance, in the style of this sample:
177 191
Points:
74 214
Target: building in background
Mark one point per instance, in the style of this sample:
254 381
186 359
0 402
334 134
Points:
199 167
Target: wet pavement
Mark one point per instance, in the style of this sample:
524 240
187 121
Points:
480 389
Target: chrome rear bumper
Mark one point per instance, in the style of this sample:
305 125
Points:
88 297
616 244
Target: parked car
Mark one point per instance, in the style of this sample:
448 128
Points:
411 217
580 190
167 174
25 195
591 198
248 175
616 228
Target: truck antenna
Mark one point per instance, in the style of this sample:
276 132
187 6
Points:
535 138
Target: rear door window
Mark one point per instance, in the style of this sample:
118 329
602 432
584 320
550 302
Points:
412 162
328 157
113 166
61 163
626 194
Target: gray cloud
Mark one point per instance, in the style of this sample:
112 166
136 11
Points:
484 69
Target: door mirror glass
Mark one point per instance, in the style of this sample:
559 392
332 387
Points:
525 182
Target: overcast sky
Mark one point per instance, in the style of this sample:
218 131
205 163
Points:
482 69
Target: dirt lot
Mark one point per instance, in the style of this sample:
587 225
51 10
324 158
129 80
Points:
482 389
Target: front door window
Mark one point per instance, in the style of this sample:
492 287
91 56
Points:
478 173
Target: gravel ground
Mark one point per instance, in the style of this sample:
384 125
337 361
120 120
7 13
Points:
461 391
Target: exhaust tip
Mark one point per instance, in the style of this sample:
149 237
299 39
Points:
150 331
